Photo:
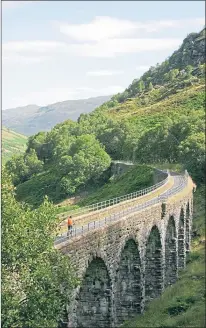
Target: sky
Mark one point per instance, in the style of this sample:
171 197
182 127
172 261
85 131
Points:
59 50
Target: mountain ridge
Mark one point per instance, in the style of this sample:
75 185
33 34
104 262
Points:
31 119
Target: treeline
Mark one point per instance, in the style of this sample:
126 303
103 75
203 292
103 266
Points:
71 159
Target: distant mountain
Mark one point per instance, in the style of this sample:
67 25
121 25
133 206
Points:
12 143
31 119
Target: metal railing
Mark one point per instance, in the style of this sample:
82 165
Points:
117 200
113 217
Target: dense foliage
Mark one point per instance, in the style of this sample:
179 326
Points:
65 158
159 133
22 167
36 278
136 178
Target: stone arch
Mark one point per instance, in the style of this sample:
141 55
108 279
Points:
181 240
187 228
170 253
94 297
128 292
153 265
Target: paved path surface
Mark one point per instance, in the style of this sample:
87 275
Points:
179 184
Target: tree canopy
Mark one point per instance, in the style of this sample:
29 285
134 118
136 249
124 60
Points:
36 279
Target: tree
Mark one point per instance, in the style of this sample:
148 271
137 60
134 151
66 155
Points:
166 77
141 86
37 143
17 169
152 147
189 69
85 160
37 280
113 138
24 166
192 155
172 74
150 87
31 160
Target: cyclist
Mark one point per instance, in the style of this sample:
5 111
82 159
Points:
69 224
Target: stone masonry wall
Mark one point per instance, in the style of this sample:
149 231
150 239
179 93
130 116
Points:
118 168
128 262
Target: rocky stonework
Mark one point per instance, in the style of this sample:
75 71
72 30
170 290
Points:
128 292
153 265
118 168
159 175
188 229
94 299
128 262
181 241
171 263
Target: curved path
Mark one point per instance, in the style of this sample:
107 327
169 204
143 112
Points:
180 181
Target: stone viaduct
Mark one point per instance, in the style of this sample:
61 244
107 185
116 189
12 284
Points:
125 264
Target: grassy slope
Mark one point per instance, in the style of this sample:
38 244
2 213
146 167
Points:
136 178
33 190
12 143
189 98
183 304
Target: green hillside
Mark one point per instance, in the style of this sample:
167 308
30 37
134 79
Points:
12 143
183 67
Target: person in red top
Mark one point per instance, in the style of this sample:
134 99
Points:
69 224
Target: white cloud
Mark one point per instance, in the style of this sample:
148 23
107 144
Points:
105 49
113 47
104 27
104 37
101 28
104 73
